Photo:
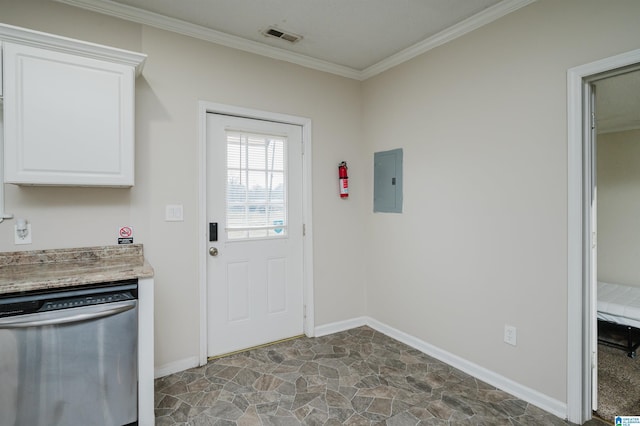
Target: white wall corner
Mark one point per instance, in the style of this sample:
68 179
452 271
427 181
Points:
336 327
176 366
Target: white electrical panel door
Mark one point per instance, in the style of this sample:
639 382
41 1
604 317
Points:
69 119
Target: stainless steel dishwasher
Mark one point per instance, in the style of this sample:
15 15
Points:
69 358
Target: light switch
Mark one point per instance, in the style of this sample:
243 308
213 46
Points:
174 213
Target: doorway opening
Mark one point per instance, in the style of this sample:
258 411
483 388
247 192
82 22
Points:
616 171
260 143
582 220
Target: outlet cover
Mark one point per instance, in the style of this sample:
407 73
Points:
510 335
22 237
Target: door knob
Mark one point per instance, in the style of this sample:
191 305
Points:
213 251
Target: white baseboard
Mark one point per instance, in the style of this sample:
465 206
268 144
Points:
323 330
336 327
540 400
529 395
176 366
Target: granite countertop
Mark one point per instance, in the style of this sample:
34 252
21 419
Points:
61 268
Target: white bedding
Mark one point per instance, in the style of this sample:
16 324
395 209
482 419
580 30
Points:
619 304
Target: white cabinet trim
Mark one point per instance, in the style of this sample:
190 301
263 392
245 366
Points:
75 47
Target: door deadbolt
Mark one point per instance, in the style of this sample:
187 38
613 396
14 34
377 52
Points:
213 251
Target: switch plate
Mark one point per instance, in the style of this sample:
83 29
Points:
25 239
174 213
510 335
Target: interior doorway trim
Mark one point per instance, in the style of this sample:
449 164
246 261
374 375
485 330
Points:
209 107
579 331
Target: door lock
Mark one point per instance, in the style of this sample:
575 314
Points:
213 231
213 251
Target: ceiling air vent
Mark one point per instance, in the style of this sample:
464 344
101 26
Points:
274 32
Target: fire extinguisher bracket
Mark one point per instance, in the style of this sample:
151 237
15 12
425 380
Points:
343 179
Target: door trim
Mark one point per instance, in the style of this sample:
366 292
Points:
580 329
204 108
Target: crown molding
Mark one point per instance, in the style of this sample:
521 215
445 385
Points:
129 13
458 30
619 128
69 45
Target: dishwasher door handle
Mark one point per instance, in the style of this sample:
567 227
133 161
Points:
67 316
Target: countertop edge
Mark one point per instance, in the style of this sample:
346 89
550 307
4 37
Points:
92 266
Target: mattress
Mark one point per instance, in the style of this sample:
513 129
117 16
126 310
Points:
619 304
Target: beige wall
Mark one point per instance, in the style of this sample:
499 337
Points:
179 72
619 207
482 241
482 121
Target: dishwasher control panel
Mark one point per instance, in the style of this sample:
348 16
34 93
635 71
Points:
73 297
77 302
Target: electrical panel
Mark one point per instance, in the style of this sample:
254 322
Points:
387 181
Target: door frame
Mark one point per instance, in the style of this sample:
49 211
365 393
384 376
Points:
580 329
204 108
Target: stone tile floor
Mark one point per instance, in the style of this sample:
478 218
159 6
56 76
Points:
356 377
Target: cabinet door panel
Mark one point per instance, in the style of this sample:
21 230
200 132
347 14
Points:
68 119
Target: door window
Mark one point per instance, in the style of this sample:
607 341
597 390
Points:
256 201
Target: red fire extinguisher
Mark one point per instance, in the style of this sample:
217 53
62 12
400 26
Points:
344 180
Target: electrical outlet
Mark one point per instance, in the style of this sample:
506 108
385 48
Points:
22 235
510 335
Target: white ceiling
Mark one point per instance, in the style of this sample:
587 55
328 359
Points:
353 38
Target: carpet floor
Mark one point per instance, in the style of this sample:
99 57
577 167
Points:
618 384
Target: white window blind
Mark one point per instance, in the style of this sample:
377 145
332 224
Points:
256 186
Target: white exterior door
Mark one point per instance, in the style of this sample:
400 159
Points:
255 268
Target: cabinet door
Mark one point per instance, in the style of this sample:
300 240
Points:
68 119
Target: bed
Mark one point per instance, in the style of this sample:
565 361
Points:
619 310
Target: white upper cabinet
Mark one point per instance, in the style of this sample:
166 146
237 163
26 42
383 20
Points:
68 111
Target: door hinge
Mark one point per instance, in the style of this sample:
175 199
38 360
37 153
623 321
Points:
304 230
304 311
593 120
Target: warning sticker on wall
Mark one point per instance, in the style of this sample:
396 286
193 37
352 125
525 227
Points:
125 235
